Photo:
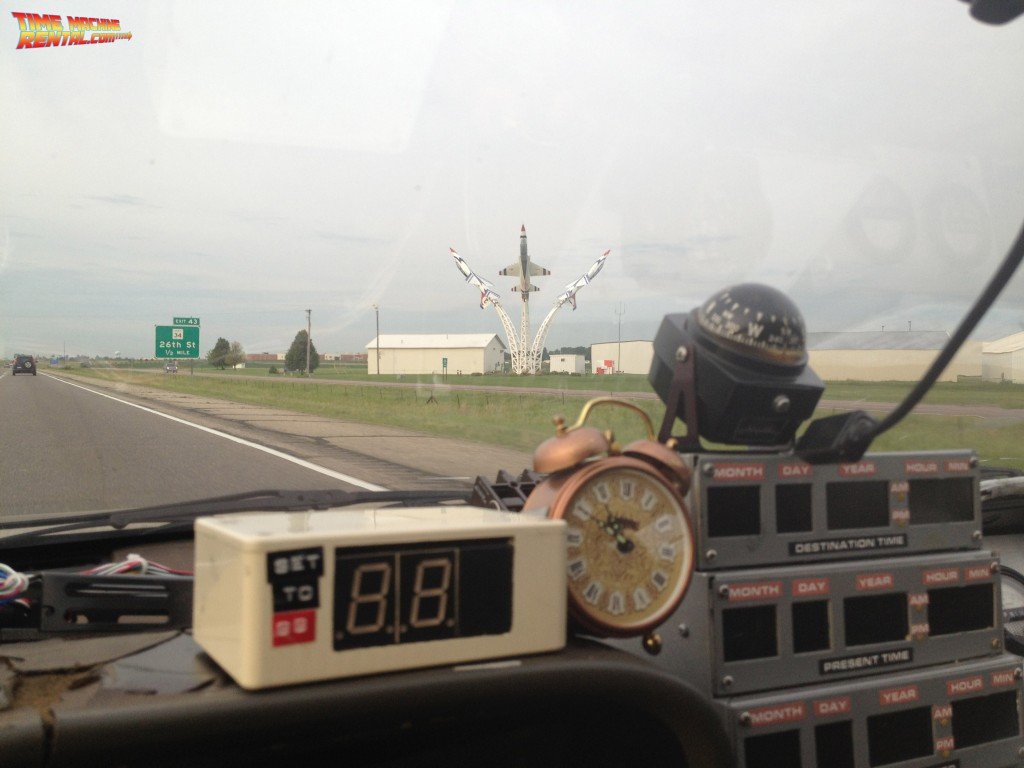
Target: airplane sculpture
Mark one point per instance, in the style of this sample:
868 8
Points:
486 287
526 355
569 294
524 269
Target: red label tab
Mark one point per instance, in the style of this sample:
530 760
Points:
978 573
858 469
917 467
755 590
1003 679
899 486
944 744
293 627
941 576
795 469
942 712
919 631
829 707
809 586
905 694
783 713
871 581
731 472
918 599
900 516
958 465
964 685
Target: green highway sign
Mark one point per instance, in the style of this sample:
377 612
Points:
177 340
187 321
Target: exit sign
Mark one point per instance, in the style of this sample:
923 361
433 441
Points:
186 321
177 341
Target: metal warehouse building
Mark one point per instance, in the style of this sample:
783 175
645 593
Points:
1003 359
427 353
887 355
636 357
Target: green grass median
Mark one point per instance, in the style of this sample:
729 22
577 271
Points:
523 420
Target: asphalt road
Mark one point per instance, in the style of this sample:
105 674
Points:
74 444
63 448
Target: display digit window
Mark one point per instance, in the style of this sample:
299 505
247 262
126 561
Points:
419 593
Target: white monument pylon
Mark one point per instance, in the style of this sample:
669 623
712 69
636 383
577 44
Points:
526 355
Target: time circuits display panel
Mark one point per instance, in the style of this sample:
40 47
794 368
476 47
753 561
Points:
774 628
952 716
291 598
771 509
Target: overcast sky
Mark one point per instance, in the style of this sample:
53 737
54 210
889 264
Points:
241 162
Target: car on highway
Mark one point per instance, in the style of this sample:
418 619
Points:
742 545
23 364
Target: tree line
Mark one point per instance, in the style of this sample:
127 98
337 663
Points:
227 354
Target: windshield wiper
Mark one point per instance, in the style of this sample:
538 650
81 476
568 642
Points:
184 512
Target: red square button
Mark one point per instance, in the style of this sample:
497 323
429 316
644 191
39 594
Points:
293 627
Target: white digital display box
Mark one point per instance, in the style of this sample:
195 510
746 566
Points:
283 598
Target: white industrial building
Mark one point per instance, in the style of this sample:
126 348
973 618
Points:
636 357
887 355
1003 359
464 353
568 363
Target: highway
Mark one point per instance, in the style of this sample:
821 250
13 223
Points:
79 445
75 446
68 446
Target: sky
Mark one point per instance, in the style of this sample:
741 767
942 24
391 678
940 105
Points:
242 162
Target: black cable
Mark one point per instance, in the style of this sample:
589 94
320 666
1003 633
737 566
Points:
992 290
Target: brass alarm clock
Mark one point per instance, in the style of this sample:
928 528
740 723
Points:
629 537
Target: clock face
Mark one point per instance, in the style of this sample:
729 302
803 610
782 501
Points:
630 547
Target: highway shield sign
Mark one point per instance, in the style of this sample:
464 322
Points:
177 341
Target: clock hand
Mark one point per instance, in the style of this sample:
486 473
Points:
624 545
613 527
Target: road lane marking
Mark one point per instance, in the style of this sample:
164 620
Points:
279 454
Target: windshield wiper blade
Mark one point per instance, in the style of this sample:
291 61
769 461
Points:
251 501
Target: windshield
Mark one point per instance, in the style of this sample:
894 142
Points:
378 246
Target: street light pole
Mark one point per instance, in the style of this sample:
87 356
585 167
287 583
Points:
309 327
620 311
376 314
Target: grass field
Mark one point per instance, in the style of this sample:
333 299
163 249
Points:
523 421
357 373
961 393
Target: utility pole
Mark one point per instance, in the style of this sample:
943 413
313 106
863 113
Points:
309 328
376 314
620 310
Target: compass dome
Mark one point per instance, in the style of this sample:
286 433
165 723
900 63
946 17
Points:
756 321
